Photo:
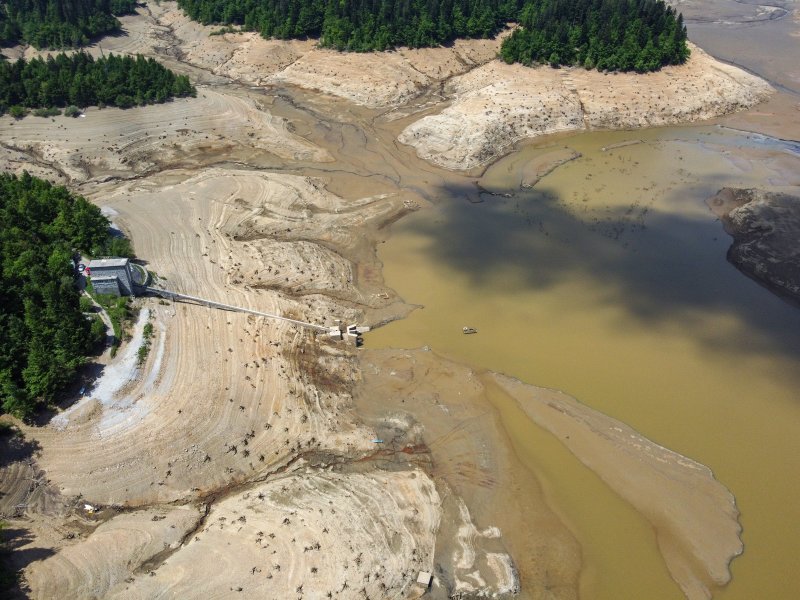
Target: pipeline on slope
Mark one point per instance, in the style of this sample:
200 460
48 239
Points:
340 331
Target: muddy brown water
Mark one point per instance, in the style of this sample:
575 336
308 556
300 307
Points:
608 280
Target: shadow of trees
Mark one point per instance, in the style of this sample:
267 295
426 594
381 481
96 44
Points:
14 447
659 266
15 554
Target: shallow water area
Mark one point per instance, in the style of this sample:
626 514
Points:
608 280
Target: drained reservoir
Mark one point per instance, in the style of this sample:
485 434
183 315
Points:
608 280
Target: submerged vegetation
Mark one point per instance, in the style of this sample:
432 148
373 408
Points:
44 336
81 80
622 35
59 23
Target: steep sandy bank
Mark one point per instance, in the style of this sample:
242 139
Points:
386 79
765 228
497 104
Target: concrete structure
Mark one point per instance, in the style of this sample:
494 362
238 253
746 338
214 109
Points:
341 332
111 276
424 579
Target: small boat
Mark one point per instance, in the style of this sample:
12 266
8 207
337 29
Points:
468 330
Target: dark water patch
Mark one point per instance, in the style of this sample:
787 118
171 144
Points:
656 264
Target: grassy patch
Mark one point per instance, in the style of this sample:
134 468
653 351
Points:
144 349
86 304
120 313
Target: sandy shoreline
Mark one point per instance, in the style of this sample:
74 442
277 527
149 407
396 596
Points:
235 424
497 104
694 515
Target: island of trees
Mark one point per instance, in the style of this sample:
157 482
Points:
624 35
80 80
59 23
44 336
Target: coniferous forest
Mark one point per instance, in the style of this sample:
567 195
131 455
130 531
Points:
360 25
614 35
44 337
625 35
81 80
59 23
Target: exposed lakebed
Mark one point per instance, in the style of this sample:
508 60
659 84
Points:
590 264
608 280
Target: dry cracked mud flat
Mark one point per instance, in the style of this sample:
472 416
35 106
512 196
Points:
237 455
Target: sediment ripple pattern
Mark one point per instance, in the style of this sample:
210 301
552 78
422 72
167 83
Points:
116 143
231 396
90 568
307 535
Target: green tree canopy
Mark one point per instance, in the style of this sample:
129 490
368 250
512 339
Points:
43 334
615 35
360 25
81 80
59 23
626 35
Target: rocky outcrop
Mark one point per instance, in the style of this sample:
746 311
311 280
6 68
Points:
765 227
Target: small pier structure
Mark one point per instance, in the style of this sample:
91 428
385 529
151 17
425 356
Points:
340 332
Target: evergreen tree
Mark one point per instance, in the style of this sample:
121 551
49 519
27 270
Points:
59 23
626 35
360 25
43 334
616 35
81 80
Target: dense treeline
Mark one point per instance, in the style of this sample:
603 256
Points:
80 80
360 25
604 34
617 35
59 23
43 334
